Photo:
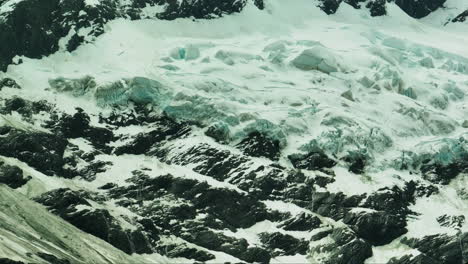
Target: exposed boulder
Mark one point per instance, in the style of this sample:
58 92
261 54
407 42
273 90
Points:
8 82
12 176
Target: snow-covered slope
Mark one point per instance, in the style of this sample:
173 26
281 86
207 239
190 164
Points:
277 134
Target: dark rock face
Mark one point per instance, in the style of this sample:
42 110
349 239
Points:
165 128
418 8
282 244
235 210
52 259
443 173
441 248
212 162
98 222
461 17
25 108
224 208
257 144
9 261
201 9
357 162
414 8
377 7
184 251
12 176
77 126
409 259
23 28
7 82
40 150
379 228
386 219
301 222
341 246
454 221
311 161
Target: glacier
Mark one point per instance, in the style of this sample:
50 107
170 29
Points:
278 134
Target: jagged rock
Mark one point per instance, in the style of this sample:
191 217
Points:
357 162
301 222
311 161
210 161
183 251
465 124
78 126
418 8
283 245
339 246
379 228
438 172
262 183
12 176
52 259
25 108
220 242
9 261
441 247
40 150
394 200
257 144
411 259
165 128
31 17
329 6
461 17
8 82
234 209
334 205
455 221
377 7
218 131
98 222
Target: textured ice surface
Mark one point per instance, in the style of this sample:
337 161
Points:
394 93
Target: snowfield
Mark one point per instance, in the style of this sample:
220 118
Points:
390 91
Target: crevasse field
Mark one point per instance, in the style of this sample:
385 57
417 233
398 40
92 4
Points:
380 102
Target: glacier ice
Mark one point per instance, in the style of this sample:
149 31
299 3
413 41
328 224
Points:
317 58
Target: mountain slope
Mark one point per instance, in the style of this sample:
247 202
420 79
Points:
272 135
